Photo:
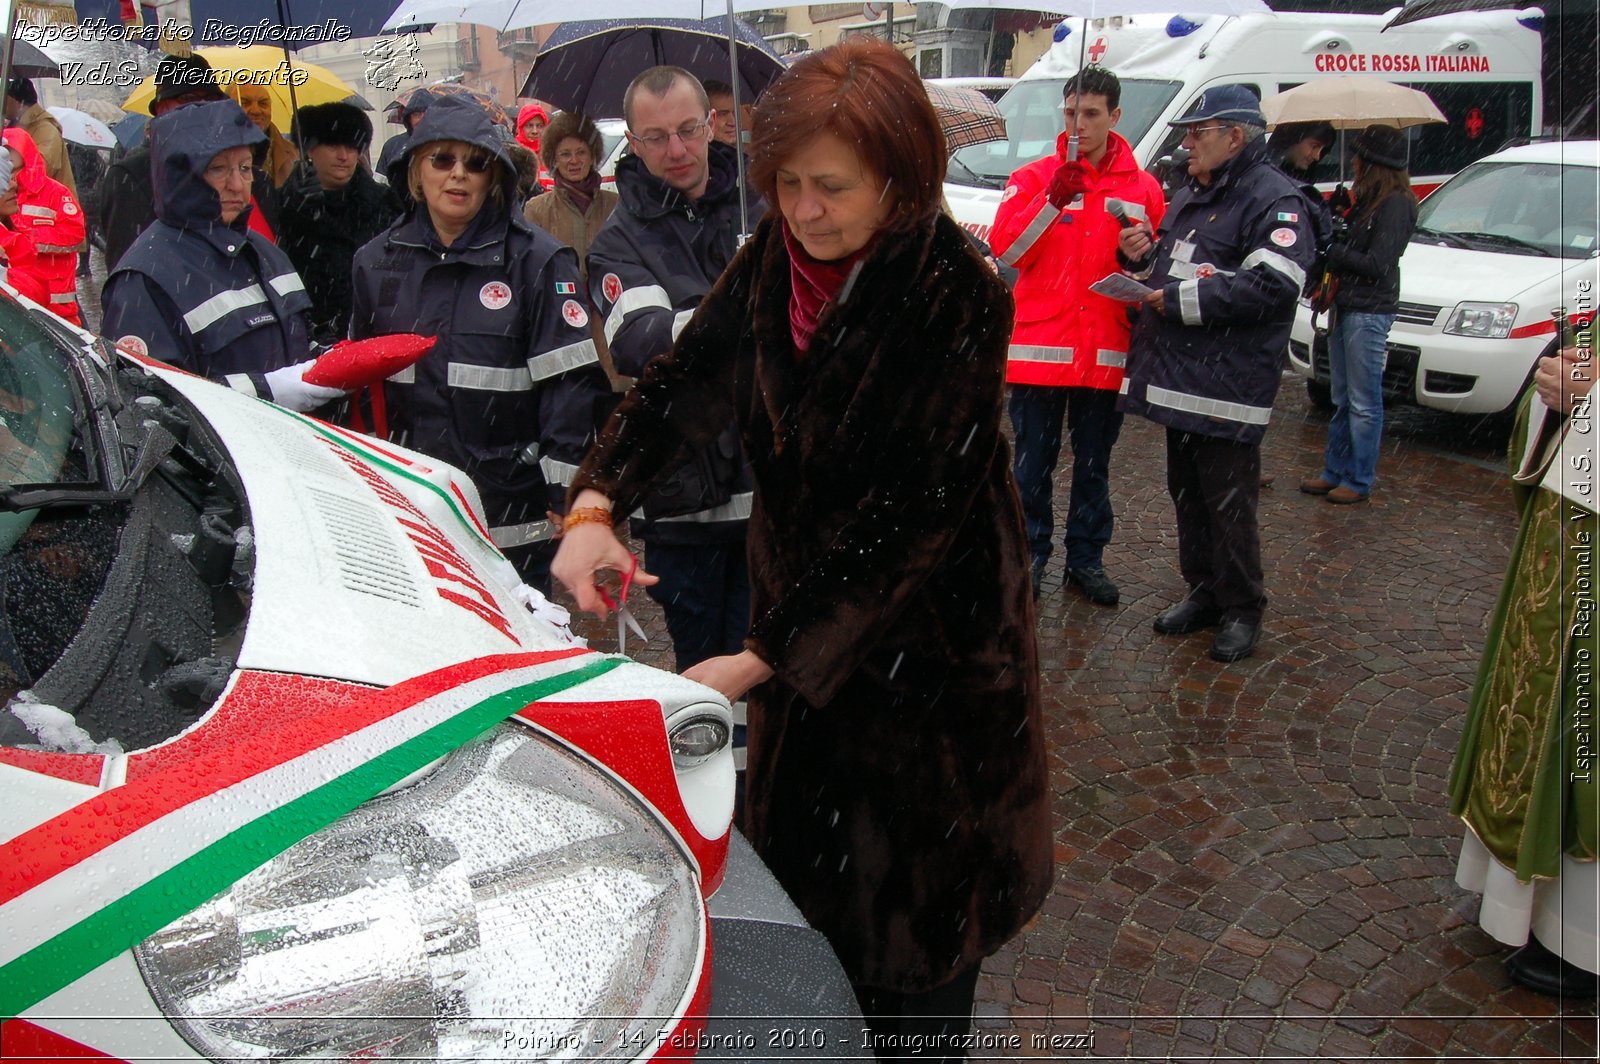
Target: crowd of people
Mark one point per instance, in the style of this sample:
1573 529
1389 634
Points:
795 396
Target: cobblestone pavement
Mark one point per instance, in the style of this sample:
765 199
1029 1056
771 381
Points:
1255 861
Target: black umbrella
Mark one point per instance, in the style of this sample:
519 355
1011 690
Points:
1416 10
586 66
29 62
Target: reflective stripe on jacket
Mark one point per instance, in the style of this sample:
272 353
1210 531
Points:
1231 258
1066 334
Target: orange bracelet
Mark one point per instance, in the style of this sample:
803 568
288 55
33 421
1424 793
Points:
587 515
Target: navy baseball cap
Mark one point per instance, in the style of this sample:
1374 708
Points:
1234 104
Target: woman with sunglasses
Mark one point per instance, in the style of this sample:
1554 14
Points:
897 779
508 393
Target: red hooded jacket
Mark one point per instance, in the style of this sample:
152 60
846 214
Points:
528 140
1065 334
50 215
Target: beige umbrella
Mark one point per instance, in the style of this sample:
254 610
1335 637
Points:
1352 103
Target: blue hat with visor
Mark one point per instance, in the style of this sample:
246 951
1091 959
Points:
1232 104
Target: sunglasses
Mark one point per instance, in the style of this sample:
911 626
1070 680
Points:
445 161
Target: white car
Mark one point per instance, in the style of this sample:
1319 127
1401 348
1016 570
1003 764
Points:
294 767
1497 248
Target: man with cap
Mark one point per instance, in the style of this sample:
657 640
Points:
331 206
24 112
127 197
199 289
1227 266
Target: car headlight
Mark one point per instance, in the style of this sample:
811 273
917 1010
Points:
1491 321
516 903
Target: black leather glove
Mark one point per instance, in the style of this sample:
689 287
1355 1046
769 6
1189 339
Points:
1340 200
303 189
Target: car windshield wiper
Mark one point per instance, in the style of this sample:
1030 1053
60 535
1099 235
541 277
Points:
17 498
1496 239
1452 239
983 182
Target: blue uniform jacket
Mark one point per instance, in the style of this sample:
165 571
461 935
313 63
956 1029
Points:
649 267
1231 259
214 299
511 390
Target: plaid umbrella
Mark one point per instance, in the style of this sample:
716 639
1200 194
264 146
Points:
967 116
423 97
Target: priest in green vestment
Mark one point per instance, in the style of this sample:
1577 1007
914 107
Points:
1524 778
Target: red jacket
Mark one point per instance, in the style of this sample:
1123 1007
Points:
1066 334
22 265
50 214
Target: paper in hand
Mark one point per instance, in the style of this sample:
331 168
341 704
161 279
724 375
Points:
1121 287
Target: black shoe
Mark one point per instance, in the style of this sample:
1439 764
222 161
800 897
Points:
1190 615
1095 584
1537 968
1235 640
1036 577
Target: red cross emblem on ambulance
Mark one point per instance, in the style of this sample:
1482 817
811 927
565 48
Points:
1097 49
1475 123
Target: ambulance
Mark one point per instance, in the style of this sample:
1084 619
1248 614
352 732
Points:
1481 68
294 767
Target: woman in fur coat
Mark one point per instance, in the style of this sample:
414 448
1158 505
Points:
897 776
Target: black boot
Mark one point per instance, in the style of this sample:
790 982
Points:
1535 967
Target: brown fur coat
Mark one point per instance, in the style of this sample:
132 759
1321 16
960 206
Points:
897 779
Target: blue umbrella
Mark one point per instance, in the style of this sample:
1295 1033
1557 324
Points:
586 66
130 131
309 19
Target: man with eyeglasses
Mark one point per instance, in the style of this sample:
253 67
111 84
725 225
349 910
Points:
1227 265
658 254
199 289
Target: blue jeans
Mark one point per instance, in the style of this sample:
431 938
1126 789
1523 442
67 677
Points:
1356 354
1093 424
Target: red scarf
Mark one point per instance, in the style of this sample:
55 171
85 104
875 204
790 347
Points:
814 285
582 193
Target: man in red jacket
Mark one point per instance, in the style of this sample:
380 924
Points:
1058 225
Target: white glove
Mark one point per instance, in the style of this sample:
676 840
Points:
289 390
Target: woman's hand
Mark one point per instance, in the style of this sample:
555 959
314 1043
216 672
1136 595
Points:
732 675
1564 379
586 549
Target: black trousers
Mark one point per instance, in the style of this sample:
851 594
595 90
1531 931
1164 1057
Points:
900 1026
1215 486
705 594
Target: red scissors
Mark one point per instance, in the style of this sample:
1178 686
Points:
625 618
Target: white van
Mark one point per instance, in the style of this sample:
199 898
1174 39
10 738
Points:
1497 248
1481 68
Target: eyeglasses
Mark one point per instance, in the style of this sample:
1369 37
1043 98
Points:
692 133
1195 131
218 173
445 161
572 155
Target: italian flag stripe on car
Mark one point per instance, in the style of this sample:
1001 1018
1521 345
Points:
134 859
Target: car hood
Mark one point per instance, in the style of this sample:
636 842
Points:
1445 276
372 562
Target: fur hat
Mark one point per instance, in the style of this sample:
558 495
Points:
569 124
332 123
1382 146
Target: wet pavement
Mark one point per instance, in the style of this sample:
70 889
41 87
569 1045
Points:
1256 861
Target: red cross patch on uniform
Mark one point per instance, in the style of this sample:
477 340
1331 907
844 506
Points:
574 314
495 294
1204 270
611 285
